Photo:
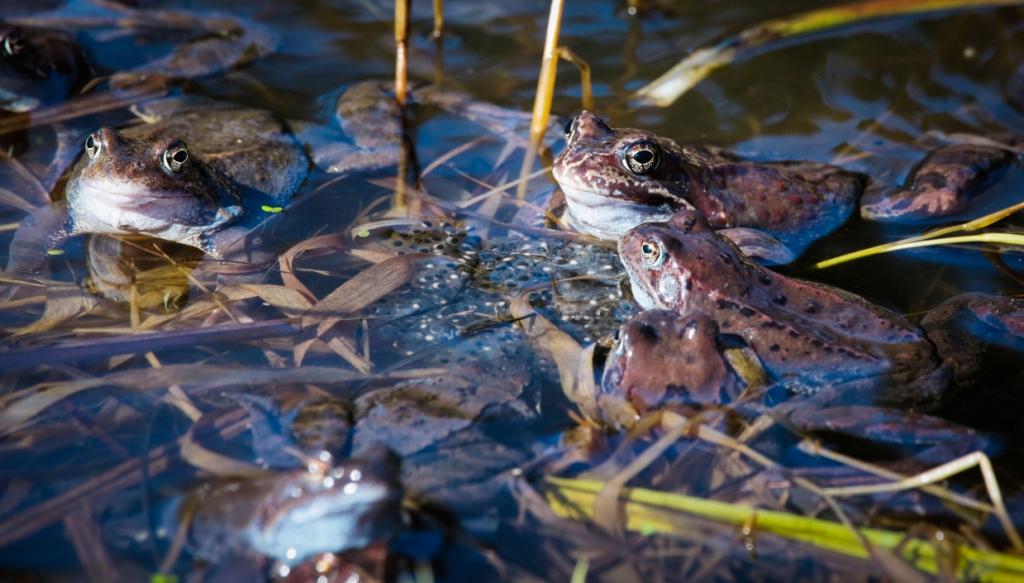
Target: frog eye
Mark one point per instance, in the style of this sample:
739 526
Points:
568 126
92 146
175 157
14 42
642 157
652 253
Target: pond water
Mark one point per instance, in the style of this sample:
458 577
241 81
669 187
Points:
104 441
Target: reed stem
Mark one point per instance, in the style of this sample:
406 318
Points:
401 50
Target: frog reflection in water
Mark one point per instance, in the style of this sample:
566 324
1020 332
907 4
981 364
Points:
329 507
214 42
615 179
810 338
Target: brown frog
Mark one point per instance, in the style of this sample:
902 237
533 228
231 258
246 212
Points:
38 66
331 506
664 359
200 173
615 179
807 335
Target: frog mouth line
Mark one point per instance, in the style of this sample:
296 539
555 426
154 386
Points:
122 194
607 218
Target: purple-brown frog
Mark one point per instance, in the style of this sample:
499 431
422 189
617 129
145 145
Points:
616 179
809 337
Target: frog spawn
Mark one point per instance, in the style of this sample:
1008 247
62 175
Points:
469 287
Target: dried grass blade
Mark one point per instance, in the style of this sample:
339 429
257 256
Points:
368 286
87 538
62 304
566 352
100 348
606 505
287 260
90 104
693 69
290 301
213 462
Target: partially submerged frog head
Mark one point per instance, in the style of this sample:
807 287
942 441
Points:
37 66
157 188
615 179
669 262
330 508
333 505
663 355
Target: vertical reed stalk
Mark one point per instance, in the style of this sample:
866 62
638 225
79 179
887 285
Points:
545 91
546 81
401 50
438 18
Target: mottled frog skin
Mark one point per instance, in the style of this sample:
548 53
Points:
199 173
662 356
615 179
806 334
941 184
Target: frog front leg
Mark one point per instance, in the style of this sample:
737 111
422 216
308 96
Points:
41 232
767 250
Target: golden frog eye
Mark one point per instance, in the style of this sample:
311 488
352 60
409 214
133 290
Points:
176 157
642 157
652 253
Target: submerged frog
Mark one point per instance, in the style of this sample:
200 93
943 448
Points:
38 67
214 42
941 184
809 337
615 179
331 506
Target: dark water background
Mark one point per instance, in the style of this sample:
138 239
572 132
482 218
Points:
876 87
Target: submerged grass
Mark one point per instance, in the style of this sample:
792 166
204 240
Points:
651 511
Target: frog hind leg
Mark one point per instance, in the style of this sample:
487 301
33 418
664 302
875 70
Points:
41 232
927 440
942 184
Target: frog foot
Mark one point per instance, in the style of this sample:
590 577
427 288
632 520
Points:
966 329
